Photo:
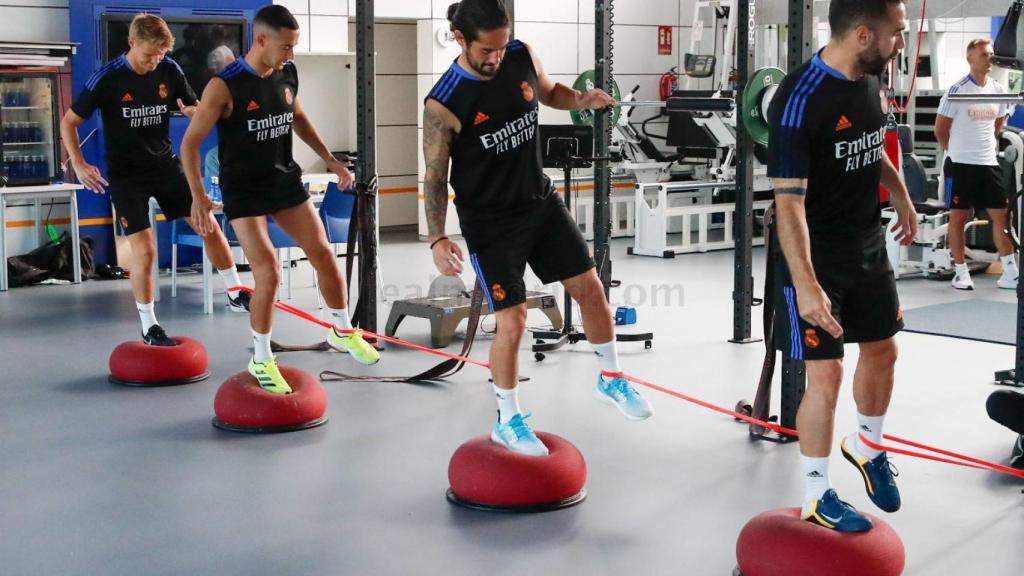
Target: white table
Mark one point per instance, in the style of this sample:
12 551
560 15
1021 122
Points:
35 194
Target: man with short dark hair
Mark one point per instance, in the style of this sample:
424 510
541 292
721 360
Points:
482 117
826 159
254 103
969 132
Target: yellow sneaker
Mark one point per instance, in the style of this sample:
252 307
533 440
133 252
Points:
353 344
268 376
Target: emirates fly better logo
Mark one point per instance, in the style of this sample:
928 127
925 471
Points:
512 134
141 116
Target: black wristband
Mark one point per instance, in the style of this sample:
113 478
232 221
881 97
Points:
432 244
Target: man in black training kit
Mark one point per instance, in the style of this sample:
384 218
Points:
254 103
135 93
482 116
826 159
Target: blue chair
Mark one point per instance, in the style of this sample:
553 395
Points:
281 240
336 214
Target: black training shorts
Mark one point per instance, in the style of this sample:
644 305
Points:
864 301
546 238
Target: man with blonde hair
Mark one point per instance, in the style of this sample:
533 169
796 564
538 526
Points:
135 94
969 132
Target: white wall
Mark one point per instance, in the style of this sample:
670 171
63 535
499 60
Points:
34 21
398 110
328 92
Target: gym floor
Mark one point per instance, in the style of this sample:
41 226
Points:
103 479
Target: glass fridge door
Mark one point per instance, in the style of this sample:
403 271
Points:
29 129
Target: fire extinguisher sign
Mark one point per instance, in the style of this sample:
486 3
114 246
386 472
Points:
664 40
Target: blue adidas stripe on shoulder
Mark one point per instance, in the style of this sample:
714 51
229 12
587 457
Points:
793 114
447 84
103 71
232 69
171 61
956 87
514 45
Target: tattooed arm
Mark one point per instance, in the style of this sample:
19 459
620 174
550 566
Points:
791 222
439 129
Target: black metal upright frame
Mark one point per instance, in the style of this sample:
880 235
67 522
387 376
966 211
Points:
794 373
743 275
604 19
366 162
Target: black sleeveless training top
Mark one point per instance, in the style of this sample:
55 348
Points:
255 141
496 157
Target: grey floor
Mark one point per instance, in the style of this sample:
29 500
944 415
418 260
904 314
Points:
101 479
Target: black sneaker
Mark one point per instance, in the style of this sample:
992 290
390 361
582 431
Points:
1017 456
157 337
239 303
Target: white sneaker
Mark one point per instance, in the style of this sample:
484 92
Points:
1007 281
964 282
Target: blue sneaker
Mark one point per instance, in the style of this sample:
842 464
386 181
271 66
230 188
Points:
517 436
879 475
832 513
618 392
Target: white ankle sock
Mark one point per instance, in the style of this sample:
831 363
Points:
508 403
815 478
339 317
607 356
147 314
261 347
230 278
871 428
961 269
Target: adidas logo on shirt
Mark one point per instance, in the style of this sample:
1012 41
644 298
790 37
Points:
252 106
127 97
843 124
480 118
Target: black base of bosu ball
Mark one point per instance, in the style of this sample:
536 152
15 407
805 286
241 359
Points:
138 364
489 477
242 406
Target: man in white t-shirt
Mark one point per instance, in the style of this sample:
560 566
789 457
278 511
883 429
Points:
969 132
219 58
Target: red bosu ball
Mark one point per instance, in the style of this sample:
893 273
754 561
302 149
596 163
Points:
780 543
138 364
242 406
486 476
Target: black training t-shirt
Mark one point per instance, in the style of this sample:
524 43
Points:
496 157
136 111
831 131
255 141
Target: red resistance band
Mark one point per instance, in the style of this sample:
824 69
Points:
954 458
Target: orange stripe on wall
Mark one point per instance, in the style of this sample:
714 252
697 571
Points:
405 190
30 223
95 222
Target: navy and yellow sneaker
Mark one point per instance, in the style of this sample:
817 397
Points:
879 475
239 303
832 513
156 336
